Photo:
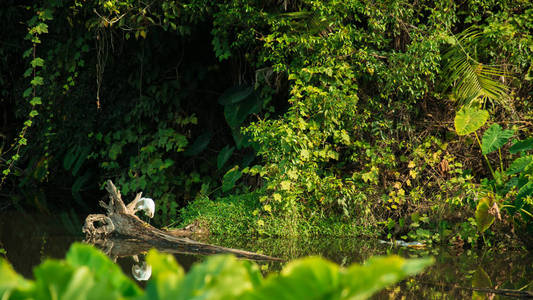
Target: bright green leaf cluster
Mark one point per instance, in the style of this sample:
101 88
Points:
86 273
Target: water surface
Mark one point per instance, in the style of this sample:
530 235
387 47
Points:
30 238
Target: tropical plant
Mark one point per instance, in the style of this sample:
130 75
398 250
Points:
470 79
511 188
86 273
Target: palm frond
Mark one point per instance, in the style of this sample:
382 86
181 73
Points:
470 79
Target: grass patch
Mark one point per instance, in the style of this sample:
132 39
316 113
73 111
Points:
234 215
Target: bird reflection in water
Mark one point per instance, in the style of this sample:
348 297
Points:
141 271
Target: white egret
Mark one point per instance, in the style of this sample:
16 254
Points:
147 205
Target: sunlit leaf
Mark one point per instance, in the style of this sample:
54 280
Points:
483 218
316 278
470 78
166 276
470 119
308 278
524 191
11 282
494 138
102 267
37 62
36 101
37 80
379 272
219 277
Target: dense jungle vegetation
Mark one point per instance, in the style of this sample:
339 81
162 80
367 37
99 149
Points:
404 119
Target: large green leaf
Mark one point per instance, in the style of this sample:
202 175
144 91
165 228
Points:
316 278
82 255
361 281
199 144
238 112
494 138
524 191
308 278
524 145
166 276
87 273
52 280
59 280
235 95
230 178
218 277
224 155
12 283
470 119
520 164
483 217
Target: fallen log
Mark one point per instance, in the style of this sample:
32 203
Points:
121 221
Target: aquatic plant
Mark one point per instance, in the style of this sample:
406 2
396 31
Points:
86 273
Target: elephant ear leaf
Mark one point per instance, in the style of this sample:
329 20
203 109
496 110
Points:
524 145
520 164
494 138
484 218
470 119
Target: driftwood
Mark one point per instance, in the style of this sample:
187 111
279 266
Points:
138 236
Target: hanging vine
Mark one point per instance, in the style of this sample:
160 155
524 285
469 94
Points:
36 28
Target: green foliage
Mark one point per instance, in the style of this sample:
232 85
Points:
524 145
219 277
224 155
472 79
36 27
230 178
520 164
223 217
513 186
494 138
483 217
313 278
11 283
469 119
86 273
318 112
239 103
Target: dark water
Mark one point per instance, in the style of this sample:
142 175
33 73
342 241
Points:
29 239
